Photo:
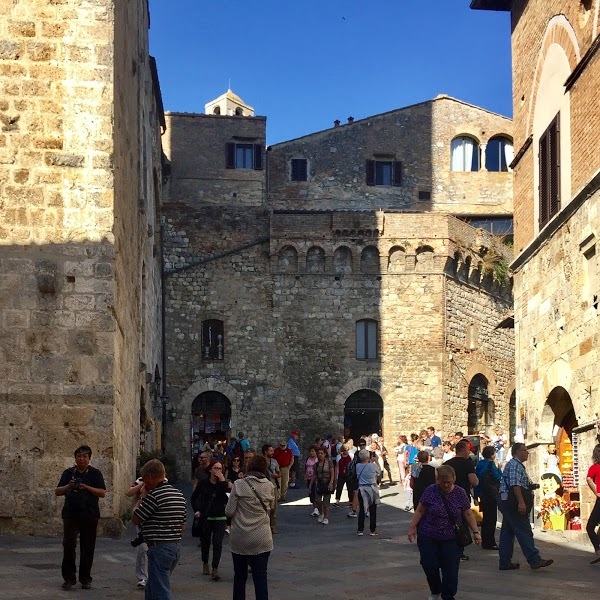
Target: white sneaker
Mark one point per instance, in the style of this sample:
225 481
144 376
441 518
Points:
325 521
433 597
352 515
315 513
321 518
141 583
367 514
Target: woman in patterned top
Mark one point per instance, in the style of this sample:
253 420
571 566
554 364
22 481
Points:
440 552
309 467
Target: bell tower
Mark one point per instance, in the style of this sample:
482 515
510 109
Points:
228 105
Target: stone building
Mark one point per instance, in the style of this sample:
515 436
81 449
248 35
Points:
335 279
556 76
80 187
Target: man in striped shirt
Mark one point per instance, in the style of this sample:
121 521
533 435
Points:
161 515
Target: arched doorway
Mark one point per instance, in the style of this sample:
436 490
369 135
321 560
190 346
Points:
363 414
478 405
210 420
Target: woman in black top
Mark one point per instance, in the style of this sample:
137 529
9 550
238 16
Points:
233 470
208 501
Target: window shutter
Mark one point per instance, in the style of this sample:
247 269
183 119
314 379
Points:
295 169
258 157
303 170
543 187
554 147
397 174
230 155
370 172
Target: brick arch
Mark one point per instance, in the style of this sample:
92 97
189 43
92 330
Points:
477 368
209 385
361 383
559 374
558 31
286 244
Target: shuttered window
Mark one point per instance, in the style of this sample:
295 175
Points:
550 172
366 339
299 169
384 172
244 156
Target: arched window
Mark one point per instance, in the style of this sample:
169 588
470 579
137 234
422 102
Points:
366 339
478 407
342 260
288 260
315 260
499 153
464 154
217 110
213 340
369 260
239 112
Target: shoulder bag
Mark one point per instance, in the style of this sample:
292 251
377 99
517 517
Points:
462 532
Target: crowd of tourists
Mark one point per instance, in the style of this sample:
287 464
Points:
237 488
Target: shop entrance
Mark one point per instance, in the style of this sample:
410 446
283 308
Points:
559 414
363 414
210 420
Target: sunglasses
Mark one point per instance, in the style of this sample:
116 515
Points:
236 460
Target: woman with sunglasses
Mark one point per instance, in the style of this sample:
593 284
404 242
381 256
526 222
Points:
208 501
232 472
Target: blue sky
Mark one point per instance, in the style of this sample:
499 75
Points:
305 63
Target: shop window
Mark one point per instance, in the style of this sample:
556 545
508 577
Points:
550 172
499 153
384 172
464 154
366 339
299 169
213 340
244 156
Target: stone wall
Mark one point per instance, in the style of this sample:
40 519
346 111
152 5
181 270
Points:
67 269
290 328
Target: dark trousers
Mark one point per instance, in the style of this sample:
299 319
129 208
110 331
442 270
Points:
339 486
361 514
592 523
440 560
85 528
258 564
215 531
489 508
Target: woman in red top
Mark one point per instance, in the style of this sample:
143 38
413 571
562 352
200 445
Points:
342 475
593 480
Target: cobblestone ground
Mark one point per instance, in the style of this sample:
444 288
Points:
310 561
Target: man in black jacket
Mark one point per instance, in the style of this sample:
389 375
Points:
81 486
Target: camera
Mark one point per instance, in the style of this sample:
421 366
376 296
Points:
534 486
138 540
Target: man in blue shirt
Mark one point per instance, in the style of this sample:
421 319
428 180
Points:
293 446
516 501
434 440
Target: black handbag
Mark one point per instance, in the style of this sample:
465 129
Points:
490 486
199 523
462 532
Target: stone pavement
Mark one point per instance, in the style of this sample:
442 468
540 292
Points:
310 561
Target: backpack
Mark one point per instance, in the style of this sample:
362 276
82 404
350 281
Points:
351 471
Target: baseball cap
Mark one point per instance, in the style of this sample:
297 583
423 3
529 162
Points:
295 432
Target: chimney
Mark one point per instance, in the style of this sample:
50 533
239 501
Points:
350 120
336 123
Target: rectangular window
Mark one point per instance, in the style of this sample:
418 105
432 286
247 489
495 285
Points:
550 172
299 169
243 156
213 341
384 172
366 339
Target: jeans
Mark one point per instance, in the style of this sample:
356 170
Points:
440 560
162 560
592 523
341 481
516 525
489 508
216 531
258 564
361 514
86 529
